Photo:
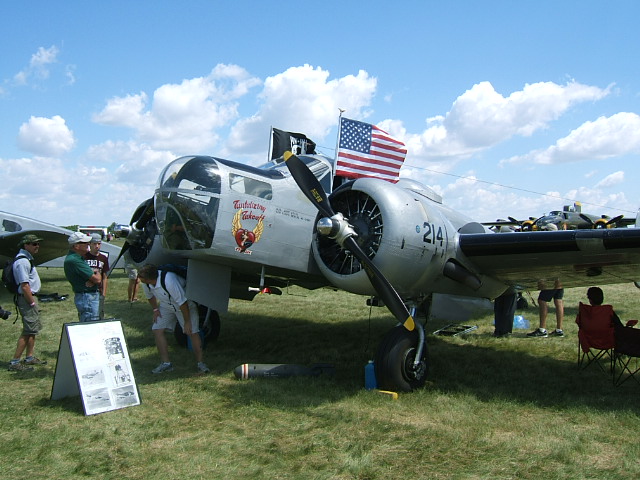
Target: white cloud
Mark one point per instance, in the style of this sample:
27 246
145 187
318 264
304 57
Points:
485 202
38 65
612 180
48 137
481 118
302 99
182 117
603 138
137 164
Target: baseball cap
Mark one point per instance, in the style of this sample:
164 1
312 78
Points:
96 238
78 237
29 238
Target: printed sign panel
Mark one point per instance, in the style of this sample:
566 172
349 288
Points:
93 362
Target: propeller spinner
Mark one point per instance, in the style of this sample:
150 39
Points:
338 228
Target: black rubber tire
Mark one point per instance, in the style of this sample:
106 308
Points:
210 331
394 361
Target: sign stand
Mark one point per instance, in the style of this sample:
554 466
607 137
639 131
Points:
93 362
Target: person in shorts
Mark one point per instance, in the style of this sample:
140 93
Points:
544 298
28 282
170 305
132 274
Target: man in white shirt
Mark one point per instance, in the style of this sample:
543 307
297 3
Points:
28 281
170 305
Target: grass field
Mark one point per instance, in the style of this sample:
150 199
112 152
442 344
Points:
512 408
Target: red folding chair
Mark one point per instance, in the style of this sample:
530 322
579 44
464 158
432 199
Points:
596 337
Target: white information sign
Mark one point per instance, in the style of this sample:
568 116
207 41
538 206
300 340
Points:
93 362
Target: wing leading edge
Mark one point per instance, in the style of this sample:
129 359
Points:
534 260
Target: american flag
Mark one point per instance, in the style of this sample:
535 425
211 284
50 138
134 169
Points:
367 151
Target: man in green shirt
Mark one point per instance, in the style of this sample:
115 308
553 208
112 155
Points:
83 279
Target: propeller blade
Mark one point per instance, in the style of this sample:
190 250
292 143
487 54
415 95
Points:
615 220
145 215
308 183
312 189
382 286
586 219
124 248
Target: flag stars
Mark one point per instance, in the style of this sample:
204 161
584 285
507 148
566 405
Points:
355 136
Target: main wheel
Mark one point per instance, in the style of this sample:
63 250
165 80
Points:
209 327
394 364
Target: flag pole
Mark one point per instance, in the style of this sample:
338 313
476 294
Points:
335 157
270 144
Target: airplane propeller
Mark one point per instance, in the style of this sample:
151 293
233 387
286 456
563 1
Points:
606 224
139 219
336 227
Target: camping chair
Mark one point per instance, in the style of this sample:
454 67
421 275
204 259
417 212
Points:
596 337
626 354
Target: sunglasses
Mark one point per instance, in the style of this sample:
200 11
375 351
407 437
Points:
35 244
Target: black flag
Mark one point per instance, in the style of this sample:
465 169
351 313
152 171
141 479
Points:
297 143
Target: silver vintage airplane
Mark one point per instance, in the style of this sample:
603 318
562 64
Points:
243 229
54 246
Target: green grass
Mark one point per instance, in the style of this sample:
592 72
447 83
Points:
492 408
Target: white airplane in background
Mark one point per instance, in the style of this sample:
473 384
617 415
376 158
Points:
54 246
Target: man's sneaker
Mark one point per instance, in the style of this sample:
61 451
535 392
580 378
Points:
557 333
538 332
34 361
18 367
501 335
202 368
163 367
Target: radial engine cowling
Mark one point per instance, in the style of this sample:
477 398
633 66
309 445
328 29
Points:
401 229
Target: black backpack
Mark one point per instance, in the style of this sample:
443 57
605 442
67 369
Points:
8 280
179 270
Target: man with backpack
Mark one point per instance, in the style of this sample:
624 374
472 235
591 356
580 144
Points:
28 281
166 294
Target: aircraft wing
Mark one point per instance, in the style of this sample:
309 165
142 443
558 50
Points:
54 246
534 260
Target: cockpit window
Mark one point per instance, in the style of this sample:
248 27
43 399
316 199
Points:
250 186
10 226
187 202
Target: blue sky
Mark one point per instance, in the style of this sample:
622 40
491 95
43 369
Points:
506 108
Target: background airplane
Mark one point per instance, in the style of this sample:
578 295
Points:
570 217
54 246
241 229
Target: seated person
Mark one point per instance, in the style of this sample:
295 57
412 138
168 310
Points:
596 297
596 322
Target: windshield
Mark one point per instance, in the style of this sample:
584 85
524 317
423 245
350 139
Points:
187 202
